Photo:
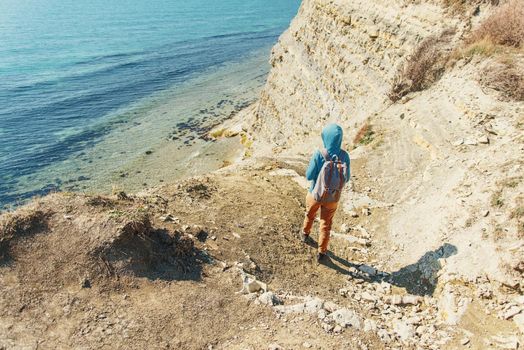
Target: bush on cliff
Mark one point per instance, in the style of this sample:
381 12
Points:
501 35
462 6
505 27
423 67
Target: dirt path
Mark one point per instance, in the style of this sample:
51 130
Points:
96 272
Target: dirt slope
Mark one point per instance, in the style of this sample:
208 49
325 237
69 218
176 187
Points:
160 270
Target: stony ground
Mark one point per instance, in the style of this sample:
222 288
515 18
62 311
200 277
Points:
214 263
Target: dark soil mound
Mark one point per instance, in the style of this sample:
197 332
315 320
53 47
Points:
140 250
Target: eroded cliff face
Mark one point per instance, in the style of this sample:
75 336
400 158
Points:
443 174
337 61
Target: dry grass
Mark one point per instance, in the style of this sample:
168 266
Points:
423 67
483 47
506 78
504 27
497 200
459 7
21 223
462 6
18 224
103 201
520 221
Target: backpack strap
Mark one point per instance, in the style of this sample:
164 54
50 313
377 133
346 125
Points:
325 154
343 180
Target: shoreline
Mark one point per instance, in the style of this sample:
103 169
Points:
159 139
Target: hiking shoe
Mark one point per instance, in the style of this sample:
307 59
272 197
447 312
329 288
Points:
303 237
321 257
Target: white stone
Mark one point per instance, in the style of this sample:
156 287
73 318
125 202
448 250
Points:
322 314
313 305
327 327
483 139
306 345
415 320
519 321
506 342
411 300
519 299
368 269
395 299
346 318
403 330
368 297
457 142
421 330
383 335
370 325
512 311
330 306
448 308
353 214
269 298
384 288
251 285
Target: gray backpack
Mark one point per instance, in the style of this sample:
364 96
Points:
331 179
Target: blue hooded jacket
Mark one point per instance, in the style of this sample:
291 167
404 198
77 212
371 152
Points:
332 139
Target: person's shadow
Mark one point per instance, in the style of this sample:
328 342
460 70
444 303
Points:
419 278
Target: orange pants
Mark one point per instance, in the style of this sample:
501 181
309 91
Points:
327 211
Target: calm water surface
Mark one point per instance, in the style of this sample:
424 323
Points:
87 87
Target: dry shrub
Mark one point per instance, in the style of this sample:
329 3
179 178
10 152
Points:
423 67
462 6
458 7
483 47
18 224
504 27
518 215
507 79
100 201
364 136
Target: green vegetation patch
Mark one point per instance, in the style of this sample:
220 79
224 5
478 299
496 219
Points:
365 135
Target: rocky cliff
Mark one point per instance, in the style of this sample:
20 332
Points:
442 166
337 62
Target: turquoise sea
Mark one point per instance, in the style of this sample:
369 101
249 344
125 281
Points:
100 94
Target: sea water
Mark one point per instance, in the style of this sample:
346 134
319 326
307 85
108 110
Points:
96 94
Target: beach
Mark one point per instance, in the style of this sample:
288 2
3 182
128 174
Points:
123 96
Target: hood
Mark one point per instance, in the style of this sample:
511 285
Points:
332 138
